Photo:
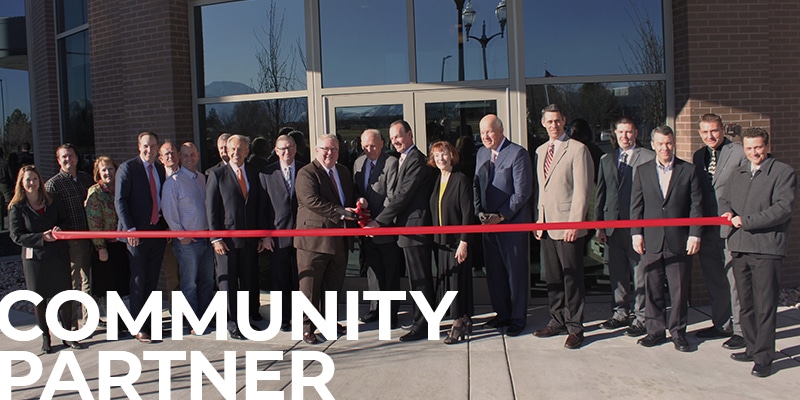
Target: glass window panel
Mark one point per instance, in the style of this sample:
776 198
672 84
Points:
71 13
251 47
363 42
76 94
443 121
436 25
351 121
263 118
601 37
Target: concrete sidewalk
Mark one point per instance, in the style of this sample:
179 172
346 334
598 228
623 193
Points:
490 366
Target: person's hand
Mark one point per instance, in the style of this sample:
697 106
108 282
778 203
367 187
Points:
363 202
186 241
692 247
267 243
461 252
351 214
133 242
737 221
727 215
220 248
47 236
570 235
537 235
601 235
638 244
102 254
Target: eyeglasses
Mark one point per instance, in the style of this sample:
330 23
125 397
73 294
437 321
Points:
329 149
287 148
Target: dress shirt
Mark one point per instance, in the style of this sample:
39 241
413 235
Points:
183 201
338 182
664 173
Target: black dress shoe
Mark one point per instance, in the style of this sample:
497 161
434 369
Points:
46 348
257 317
680 343
734 343
514 330
635 331
310 338
496 323
712 333
413 335
651 340
286 326
371 316
340 330
574 341
743 357
72 345
614 324
761 371
549 331
236 334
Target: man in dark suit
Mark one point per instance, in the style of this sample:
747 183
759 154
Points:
234 201
760 211
323 189
278 181
715 163
613 202
666 187
138 200
374 172
502 189
222 149
408 206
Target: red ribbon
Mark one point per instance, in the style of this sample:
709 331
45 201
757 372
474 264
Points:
415 230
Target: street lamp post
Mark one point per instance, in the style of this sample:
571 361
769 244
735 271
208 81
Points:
443 60
3 107
468 16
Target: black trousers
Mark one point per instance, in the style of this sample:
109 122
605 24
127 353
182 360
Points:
237 271
383 270
757 283
145 262
453 276
283 277
675 271
420 277
563 266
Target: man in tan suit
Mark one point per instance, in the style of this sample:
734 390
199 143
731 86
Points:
565 173
323 188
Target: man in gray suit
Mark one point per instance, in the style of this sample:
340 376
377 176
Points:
715 163
502 192
613 202
565 173
373 173
760 211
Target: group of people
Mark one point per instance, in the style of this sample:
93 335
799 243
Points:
162 188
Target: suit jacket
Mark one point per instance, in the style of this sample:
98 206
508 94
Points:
564 195
507 187
228 209
457 207
682 200
132 194
613 198
318 207
377 191
408 198
764 202
281 204
27 227
730 158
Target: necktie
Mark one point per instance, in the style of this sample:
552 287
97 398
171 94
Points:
623 167
402 158
153 196
287 177
369 176
335 185
242 183
549 159
494 156
712 165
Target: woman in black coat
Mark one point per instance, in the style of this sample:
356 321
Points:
34 215
451 204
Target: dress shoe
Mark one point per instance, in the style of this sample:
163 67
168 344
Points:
712 333
46 348
413 335
549 331
651 340
236 334
514 330
74 345
459 331
761 371
743 357
496 323
574 341
143 337
257 317
310 338
340 330
680 343
286 326
734 343
614 324
371 316
635 331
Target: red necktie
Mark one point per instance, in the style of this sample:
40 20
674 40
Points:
242 183
549 159
153 196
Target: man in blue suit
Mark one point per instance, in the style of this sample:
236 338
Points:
138 199
502 192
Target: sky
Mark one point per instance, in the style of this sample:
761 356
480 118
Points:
15 83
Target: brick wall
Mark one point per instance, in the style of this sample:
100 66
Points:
739 60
